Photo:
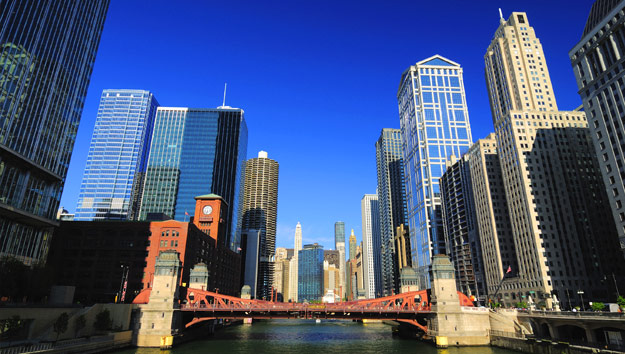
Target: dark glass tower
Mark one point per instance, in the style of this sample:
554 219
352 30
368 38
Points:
47 51
310 274
195 152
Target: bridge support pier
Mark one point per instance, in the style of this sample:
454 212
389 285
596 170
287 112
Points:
452 324
160 319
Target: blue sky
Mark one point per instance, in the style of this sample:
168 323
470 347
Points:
317 80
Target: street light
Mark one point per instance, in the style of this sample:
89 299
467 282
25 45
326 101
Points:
581 296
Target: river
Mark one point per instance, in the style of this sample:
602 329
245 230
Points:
308 337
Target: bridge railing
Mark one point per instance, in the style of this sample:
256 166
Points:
298 307
579 314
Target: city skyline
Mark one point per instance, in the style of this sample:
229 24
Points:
355 150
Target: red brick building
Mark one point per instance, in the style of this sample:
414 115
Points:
93 255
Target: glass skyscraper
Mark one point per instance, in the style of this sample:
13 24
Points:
47 51
392 209
117 158
435 125
194 152
310 273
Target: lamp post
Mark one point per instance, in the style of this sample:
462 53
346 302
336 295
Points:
581 296
569 298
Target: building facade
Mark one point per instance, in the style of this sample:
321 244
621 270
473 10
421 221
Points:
114 174
460 225
597 62
434 125
294 265
310 273
392 204
352 245
565 238
47 51
194 152
93 255
372 267
339 245
492 218
259 209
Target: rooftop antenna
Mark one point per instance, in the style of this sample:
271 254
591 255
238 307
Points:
501 16
226 86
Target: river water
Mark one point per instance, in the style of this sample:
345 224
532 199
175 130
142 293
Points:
308 337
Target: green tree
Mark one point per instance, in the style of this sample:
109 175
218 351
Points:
60 325
598 306
103 320
79 323
521 305
621 301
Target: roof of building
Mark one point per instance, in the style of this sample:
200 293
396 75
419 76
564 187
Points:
599 10
209 196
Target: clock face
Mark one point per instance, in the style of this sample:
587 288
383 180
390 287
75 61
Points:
207 210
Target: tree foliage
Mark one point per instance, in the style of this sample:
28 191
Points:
23 283
103 321
598 306
621 301
61 323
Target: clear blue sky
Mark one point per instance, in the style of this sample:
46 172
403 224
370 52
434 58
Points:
317 80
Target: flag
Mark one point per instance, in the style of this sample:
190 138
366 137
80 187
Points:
509 270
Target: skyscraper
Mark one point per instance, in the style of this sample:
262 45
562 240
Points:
371 245
491 209
310 274
339 244
258 212
434 125
294 266
352 245
563 234
118 154
194 152
601 81
460 224
392 197
47 51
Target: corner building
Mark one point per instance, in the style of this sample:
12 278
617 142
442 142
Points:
434 125
599 66
195 151
491 214
563 234
47 51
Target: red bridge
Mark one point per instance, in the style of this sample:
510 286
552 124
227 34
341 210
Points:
412 307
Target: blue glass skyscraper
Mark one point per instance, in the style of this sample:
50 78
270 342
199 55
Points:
310 273
194 152
435 125
47 51
117 158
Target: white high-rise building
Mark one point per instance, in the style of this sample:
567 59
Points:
369 207
339 244
293 269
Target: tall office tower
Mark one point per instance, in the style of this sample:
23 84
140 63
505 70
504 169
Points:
339 245
565 239
434 126
281 265
352 245
372 267
459 222
491 210
118 155
310 274
294 266
47 51
392 195
598 65
259 207
360 273
195 152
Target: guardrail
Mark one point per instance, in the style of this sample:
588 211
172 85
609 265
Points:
505 334
571 314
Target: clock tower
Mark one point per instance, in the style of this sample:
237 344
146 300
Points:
208 212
